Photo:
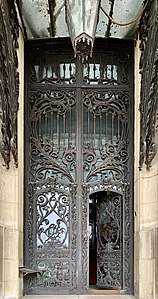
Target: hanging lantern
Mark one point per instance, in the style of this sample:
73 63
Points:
82 18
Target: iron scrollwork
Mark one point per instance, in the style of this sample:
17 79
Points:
53 148
149 84
9 88
106 143
79 144
107 166
52 197
52 249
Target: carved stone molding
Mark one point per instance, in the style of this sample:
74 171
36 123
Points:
149 83
9 77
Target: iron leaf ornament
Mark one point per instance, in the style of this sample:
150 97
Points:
9 76
149 84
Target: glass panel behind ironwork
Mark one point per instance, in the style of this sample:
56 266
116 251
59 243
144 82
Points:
52 163
46 67
52 220
106 69
79 127
52 236
53 135
105 133
109 240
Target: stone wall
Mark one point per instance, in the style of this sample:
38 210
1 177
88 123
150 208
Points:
11 208
146 211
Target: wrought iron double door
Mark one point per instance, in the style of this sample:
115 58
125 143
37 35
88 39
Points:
79 145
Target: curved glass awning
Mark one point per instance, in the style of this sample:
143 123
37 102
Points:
47 18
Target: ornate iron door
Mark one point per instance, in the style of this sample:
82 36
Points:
79 140
109 241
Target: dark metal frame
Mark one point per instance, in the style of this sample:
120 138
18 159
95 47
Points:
80 195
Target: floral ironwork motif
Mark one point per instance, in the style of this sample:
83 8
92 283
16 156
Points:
54 207
106 142
49 240
9 87
149 84
52 134
52 191
79 143
109 241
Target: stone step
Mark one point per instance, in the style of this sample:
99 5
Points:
79 297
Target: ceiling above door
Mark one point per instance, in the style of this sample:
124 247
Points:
46 18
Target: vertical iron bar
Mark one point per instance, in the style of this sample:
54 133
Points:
70 70
94 118
106 126
64 69
105 69
101 68
94 70
79 166
118 127
112 70
88 127
79 176
58 132
100 133
48 128
88 70
45 125
112 129
64 129
40 127
70 133
51 124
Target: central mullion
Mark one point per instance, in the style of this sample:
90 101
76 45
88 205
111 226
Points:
79 169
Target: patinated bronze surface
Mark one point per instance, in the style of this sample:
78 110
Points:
79 141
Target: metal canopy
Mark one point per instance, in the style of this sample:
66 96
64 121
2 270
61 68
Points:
46 19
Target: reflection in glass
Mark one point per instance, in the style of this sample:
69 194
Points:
101 70
49 68
103 123
52 220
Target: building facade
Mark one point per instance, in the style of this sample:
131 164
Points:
79 163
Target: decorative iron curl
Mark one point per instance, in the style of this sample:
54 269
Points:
149 84
9 87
